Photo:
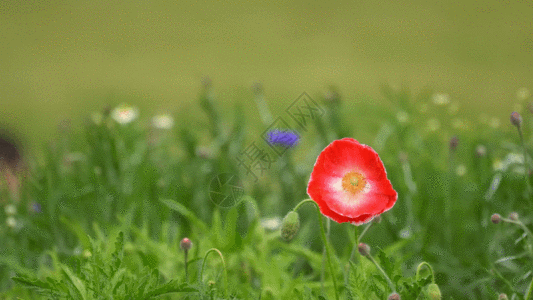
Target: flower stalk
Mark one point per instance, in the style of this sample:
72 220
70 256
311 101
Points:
223 264
324 238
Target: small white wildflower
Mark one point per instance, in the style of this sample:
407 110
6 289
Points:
163 121
522 93
514 158
441 99
433 124
10 209
494 123
11 222
271 223
402 116
460 170
124 114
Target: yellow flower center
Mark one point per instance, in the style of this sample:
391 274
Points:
353 182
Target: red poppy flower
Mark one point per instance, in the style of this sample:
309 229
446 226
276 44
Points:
349 183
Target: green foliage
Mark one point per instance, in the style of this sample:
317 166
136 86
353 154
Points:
116 199
101 277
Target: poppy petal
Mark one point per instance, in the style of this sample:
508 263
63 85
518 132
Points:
349 183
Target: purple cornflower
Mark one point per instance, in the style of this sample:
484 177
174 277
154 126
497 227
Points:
283 138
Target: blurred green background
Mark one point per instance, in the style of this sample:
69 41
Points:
62 59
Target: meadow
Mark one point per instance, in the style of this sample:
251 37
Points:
177 207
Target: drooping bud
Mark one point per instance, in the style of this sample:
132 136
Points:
513 216
516 119
185 244
394 296
290 226
434 292
363 249
496 218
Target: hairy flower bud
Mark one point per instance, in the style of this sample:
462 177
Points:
185 244
290 226
434 292
364 249
394 296
503 297
496 218
516 119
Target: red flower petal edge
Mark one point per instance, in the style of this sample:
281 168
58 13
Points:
349 183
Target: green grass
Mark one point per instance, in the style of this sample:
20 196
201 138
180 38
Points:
116 199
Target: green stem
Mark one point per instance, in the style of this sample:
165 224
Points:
186 269
519 223
223 263
526 166
430 269
391 285
357 238
363 233
325 242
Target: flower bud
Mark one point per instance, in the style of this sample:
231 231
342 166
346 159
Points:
513 216
290 226
434 292
516 119
496 218
394 296
364 249
185 244
503 297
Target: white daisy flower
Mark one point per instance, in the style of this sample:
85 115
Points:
163 121
124 114
10 210
11 222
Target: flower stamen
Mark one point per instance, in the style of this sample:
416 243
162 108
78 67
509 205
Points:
353 182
